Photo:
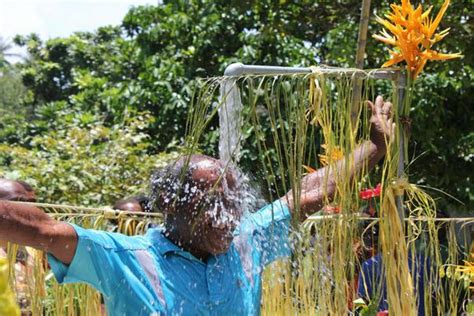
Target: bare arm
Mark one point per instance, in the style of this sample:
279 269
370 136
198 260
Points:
320 185
27 225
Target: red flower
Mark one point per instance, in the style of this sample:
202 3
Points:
370 193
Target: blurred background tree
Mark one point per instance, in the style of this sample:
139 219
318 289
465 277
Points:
150 62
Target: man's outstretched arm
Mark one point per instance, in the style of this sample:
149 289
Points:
320 185
29 226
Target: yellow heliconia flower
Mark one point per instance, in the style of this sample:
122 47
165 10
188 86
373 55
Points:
459 272
331 155
412 33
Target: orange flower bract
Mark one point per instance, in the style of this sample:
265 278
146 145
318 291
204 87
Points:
412 33
331 155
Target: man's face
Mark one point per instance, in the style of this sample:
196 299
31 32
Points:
129 206
213 211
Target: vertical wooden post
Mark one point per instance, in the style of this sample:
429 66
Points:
362 38
359 60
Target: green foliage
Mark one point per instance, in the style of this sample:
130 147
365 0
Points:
13 112
5 46
86 164
11 91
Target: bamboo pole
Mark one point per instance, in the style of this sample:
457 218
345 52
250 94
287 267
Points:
359 60
362 37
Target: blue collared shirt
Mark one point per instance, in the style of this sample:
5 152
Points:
145 275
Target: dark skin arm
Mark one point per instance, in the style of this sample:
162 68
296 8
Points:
29 226
320 185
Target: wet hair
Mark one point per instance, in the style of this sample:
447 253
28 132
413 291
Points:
142 200
174 184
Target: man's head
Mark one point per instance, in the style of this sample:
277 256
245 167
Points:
16 191
201 202
139 203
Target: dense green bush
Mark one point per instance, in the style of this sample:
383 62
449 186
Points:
86 163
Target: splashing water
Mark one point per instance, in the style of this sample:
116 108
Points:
230 130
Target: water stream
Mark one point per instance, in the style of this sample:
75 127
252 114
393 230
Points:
230 122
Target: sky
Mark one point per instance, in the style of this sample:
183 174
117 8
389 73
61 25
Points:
60 18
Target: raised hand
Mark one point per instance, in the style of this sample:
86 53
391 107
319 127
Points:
382 128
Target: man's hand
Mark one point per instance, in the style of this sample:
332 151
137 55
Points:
382 128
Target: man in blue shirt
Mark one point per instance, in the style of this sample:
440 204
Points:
208 257
372 284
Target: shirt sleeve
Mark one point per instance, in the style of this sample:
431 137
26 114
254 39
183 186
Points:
100 259
271 229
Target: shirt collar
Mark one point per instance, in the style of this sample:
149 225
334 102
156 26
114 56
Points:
165 246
